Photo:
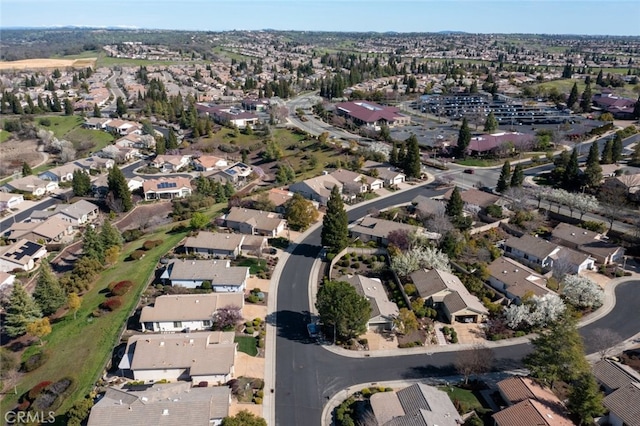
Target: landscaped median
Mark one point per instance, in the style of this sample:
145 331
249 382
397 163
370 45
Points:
80 348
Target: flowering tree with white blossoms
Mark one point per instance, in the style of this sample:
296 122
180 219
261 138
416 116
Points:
536 312
418 258
582 292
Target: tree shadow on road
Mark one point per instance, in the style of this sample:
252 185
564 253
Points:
291 325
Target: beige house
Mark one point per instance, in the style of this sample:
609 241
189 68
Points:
515 280
33 185
589 242
53 229
374 229
383 311
214 244
166 188
254 222
21 255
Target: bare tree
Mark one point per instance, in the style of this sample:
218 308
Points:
439 224
477 360
612 199
604 341
562 266
629 181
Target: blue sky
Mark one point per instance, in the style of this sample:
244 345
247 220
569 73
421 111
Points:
601 17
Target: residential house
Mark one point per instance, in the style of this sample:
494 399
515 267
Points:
573 261
6 282
389 175
356 183
163 405
629 183
254 244
475 197
590 242
426 206
186 312
215 244
529 404
317 188
613 375
9 201
170 163
198 357
123 127
78 214
32 185
223 277
254 222
500 142
417 404
515 280
383 311
95 123
257 105
53 229
374 229
136 141
100 185
624 405
228 115
237 173
166 188
370 114
445 291
620 108
59 174
95 163
279 198
531 250
21 255
206 163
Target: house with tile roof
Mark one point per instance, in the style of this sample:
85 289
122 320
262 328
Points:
196 357
206 163
62 173
624 405
383 311
375 229
317 188
445 291
254 222
185 312
515 280
32 185
215 244
223 277
166 188
613 375
165 404
370 114
592 243
415 405
170 163
21 255
356 183
52 229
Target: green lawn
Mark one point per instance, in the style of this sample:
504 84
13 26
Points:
61 124
467 398
85 140
479 162
247 344
4 135
80 348
255 265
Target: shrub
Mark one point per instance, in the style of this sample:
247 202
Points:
410 289
494 211
260 394
249 330
24 405
150 244
257 322
137 254
206 285
52 396
35 391
132 235
35 361
520 333
120 288
257 400
407 345
261 343
45 122
112 303
253 298
355 265
257 384
366 392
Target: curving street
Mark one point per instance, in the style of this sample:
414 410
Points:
307 374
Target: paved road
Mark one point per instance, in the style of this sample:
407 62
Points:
308 375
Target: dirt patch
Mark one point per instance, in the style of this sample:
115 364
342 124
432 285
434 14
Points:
146 216
41 63
15 152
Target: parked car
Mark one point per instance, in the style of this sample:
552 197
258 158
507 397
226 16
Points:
469 171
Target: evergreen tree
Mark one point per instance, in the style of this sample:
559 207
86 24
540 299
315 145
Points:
335 233
412 164
593 170
599 79
21 311
517 178
616 148
636 109
339 305
119 188
455 204
55 103
96 111
571 173
26 169
607 153
121 107
68 107
585 100
81 183
585 398
505 177
491 123
110 236
92 246
573 96
393 156
464 138
48 294
172 140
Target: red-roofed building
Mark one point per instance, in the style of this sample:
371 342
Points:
620 108
485 144
371 114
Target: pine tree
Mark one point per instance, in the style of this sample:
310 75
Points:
172 140
505 177
599 79
81 183
585 100
393 156
464 138
21 311
585 398
110 236
455 204
335 232
26 169
636 109
412 164
121 107
491 123
119 188
68 107
517 178
92 246
616 148
593 170
573 96
571 173
607 153
96 111
48 294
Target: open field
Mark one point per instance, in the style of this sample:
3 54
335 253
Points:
41 63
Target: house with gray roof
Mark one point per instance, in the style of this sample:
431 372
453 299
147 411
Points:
624 405
215 244
223 277
426 206
53 229
415 405
21 255
254 222
166 404
62 173
198 357
356 183
445 291
186 312
32 185
77 214
375 229
389 175
515 280
317 188
383 311
613 375
589 242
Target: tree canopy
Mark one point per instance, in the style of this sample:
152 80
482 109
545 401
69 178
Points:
464 138
335 232
81 183
21 311
412 163
48 294
505 177
300 213
119 190
339 304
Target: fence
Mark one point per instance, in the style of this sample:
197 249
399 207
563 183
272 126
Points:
356 250
488 226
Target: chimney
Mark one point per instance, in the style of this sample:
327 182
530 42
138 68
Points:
165 412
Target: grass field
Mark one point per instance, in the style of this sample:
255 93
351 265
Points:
42 63
4 135
80 348
85 140
467 398
247 344
255 265
60 124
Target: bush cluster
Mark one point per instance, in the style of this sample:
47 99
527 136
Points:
112 303
132 235
52 396
137 254
120 288
150 244
35 361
